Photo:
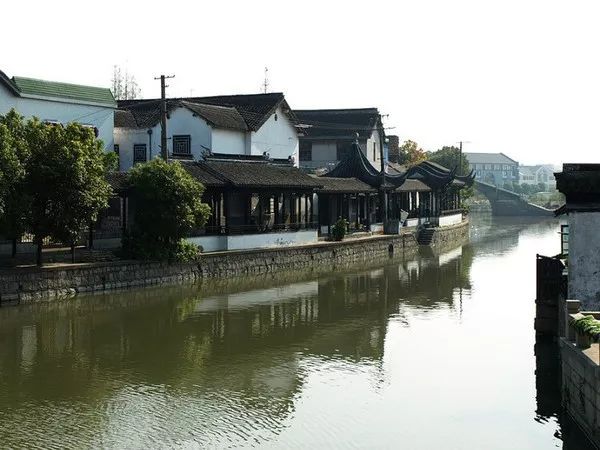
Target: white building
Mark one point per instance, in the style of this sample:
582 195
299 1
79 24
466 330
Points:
327 135
250 125
581 187
60 103
534 175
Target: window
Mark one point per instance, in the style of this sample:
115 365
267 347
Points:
504 174
305 151
564 239
139 153
182 145
342 149
116 149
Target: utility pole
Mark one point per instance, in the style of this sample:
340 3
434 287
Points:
382 156
164 152
460 155
459 170
460 158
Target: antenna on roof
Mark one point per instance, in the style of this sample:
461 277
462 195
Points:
266 82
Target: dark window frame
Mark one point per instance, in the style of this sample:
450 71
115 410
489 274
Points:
116 148
137 149
186 139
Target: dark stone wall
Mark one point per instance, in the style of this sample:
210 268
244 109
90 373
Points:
29 285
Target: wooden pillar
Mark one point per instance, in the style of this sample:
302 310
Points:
283 213
125 210
227 212
312 210
306 211
292 208
347 205
275 210
260 211
357 208
219 205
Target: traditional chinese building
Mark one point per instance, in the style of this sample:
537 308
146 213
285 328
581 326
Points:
425 193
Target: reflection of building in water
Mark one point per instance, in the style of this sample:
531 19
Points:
250 344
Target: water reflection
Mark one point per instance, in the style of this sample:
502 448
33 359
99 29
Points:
290 360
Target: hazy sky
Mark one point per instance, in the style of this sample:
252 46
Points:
520 77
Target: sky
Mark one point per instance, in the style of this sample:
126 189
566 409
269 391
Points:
518 77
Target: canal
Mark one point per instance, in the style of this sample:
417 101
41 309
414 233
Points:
435 351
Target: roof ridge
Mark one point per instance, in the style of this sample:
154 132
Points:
87 86
337 110
229 107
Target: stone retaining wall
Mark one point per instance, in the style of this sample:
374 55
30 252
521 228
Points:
446 236
27 285
581 389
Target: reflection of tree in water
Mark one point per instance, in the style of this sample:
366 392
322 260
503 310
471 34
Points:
191 343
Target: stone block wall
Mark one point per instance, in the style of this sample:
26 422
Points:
28 285
444 236
581 389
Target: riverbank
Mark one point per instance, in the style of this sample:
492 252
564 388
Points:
24 285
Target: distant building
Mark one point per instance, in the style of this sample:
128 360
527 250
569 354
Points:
328 134
55 102
253 125
493 168
534 175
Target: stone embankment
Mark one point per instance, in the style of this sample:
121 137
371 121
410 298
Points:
28 285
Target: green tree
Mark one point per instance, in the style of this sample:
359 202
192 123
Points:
168 206
508 186
518 188
449 157
411 154
14 201
65 180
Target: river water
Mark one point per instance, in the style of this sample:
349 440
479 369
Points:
435 351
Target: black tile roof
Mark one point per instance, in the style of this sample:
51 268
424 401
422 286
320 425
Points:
433 175
338 123
203 175
411 185
124 119
343 186
241 112
247 174
254 108
219 116
356 165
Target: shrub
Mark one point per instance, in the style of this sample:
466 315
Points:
168 206
338 231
